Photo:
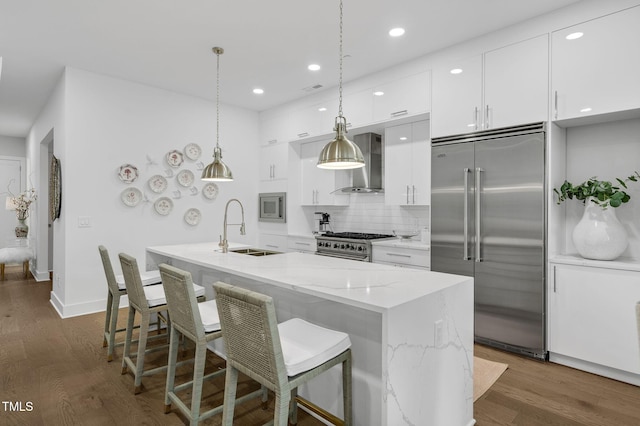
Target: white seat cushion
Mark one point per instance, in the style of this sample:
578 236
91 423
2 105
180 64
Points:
306 346
147 278
155 294
209 315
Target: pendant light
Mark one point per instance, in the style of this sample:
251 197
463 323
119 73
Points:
340 153
217 170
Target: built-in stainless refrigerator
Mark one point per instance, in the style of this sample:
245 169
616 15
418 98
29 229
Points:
488 222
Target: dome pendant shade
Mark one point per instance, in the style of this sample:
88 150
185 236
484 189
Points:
217 170
340 153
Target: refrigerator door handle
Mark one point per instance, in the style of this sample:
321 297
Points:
478 216
465 255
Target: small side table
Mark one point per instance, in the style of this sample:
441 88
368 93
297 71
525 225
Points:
17 252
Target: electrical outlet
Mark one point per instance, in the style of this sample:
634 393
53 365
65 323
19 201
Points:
438 327
84 222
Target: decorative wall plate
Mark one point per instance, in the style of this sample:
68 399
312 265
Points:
131 196
157 183
128 173
192 217
210 191
163 206
192 151
185 178
174 158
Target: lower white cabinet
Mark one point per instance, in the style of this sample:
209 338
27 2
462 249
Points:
401 256
275 242
591 316
302 244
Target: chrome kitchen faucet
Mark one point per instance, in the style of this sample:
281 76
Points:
223 241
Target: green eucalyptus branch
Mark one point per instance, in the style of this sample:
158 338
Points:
601 192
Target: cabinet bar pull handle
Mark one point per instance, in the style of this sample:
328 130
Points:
407 194
413 188
465 254
399 255
399 113
475 118
554 279
478 215
303 135
272 141
302 244
555 105
486 117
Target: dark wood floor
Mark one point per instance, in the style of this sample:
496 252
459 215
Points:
59 366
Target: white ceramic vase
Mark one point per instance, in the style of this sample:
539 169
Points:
599 235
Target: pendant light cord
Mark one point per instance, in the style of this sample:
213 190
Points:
217 99
340 81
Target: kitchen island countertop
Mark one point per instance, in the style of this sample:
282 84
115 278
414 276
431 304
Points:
362 284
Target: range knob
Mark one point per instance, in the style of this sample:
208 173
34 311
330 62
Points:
342 246
360 248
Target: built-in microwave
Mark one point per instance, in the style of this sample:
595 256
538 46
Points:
273 207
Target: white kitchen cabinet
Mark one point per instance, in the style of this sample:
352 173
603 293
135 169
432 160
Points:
274 161
407 164
516 83
275 242
598 72
402 97
591 316
318 184
502 87
303 244
401 256
357 108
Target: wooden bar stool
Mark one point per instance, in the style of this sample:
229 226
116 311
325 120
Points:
200 323
117 289
145 300
278 356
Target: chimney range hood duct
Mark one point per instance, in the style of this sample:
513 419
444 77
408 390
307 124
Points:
367 179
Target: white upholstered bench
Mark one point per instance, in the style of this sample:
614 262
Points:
15 255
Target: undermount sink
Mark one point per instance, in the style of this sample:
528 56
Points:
254 252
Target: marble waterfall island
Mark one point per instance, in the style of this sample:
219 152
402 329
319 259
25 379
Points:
411 330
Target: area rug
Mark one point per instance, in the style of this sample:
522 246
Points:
485 374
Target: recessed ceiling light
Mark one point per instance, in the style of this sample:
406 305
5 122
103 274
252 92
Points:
396 32
403 138
258 91
313 67
456 71
574 36
587 109
322 109
378 93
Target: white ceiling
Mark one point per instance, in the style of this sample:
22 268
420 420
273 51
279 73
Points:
167 43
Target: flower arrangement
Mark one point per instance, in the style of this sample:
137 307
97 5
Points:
22 202
601 192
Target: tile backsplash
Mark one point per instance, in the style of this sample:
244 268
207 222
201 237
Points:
368 213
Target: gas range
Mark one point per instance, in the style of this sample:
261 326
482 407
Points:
348 245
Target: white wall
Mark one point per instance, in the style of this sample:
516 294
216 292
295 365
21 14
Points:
110 122
12 146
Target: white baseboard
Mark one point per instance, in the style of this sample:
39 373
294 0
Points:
601 370
68 311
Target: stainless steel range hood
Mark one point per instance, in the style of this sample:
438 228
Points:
367 179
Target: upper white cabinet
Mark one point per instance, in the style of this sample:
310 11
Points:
402 97
274 161
591 316
408 164
597 73
318 184
502 87
516 83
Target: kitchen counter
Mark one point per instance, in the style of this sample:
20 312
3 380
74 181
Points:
411 330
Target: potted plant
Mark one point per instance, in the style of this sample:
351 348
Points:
599 234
